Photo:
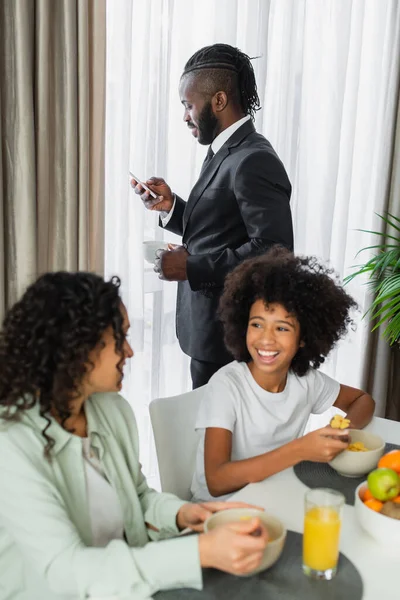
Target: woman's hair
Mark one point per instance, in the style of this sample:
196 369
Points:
222 67
46 340
305 289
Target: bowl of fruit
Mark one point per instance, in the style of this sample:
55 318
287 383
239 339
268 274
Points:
362 454
377 501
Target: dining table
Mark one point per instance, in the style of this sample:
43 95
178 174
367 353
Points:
376 567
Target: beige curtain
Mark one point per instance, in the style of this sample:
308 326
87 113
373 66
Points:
393 397
52 108
382 371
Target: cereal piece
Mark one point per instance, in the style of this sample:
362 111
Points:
357 447
339 422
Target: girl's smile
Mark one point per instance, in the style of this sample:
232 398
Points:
273 338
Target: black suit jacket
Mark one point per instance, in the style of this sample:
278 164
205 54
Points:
238 208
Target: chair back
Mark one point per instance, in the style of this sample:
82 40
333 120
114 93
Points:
173 420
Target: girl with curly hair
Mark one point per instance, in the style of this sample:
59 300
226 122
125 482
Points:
76 514
282 315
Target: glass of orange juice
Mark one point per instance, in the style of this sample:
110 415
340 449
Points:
322 521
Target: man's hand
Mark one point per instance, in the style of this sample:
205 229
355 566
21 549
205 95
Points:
165 198
171 264
193 515
322 445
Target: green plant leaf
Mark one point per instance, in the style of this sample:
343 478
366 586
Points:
390 285
382 271
389 220
380 234
377 309
392 331
385 318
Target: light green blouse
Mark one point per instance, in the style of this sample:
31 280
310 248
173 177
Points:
45 533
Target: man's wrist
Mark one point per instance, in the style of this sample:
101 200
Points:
165 215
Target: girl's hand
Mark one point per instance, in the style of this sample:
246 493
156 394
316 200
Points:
233 547
193 515
322 445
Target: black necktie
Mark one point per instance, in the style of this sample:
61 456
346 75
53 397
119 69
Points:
207 159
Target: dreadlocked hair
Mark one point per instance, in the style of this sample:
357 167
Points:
223 67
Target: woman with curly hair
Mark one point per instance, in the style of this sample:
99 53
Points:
76 514
282 315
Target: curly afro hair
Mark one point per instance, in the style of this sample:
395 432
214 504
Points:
46 340
304 287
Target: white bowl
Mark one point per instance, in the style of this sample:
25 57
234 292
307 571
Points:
275 528
383 529
356 464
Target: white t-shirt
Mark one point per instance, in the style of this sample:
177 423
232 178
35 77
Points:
260 421
104 507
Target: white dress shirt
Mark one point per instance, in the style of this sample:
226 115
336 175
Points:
227 133
216 145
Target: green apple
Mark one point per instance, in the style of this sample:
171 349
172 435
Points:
384 484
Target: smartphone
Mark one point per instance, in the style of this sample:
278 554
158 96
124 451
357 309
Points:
153 194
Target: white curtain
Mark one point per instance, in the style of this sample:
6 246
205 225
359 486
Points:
327 74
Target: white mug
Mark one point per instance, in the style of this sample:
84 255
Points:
150 248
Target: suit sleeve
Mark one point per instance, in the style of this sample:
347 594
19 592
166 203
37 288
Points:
175 223
262 192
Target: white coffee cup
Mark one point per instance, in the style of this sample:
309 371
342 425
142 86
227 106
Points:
150 248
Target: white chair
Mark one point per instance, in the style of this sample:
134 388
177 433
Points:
173 420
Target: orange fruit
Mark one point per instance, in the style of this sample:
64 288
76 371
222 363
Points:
397 500
367 495
375 505
391 460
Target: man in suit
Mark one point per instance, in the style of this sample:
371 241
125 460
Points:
238 208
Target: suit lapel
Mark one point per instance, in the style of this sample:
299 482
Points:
203 182
236 138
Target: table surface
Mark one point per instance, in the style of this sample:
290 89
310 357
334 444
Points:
283 496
